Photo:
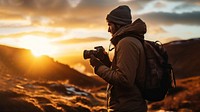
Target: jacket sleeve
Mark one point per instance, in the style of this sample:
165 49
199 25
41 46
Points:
127 56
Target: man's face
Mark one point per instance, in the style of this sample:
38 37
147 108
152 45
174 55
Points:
112 28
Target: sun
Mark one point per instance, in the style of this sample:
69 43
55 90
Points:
38 45
39 52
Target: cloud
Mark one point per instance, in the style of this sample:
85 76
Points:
188 5
74 3
35 33
155 30
85 13
164 18
54 14
80 40
160 4
63 13
9 16
35 4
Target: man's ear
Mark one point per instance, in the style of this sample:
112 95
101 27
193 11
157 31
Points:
117 26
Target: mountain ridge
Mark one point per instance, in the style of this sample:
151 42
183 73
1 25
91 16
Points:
184 57
21 62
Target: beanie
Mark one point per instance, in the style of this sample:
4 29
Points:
120 15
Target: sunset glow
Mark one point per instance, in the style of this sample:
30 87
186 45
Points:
38 45
42 50
62 29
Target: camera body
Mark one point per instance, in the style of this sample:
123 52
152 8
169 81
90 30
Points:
98 52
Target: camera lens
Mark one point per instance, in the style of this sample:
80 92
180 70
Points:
86 54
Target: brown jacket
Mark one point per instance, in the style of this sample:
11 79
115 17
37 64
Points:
128 67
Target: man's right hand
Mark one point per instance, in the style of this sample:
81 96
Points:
106 60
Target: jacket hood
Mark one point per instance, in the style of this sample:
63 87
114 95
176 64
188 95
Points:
138 28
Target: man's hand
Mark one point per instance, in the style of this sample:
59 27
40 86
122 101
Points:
106 60
95 62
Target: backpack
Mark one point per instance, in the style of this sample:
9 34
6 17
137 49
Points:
159 76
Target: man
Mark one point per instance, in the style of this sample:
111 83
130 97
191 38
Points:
128 65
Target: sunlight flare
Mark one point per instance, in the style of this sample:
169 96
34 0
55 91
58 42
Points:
38 45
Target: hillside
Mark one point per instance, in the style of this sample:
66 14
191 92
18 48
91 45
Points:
19 94
20 62
40 83
184 56
184 98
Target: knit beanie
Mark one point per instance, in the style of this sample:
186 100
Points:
120 15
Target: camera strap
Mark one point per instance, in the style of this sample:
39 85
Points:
110 49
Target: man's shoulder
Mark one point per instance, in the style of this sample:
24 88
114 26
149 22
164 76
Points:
131 40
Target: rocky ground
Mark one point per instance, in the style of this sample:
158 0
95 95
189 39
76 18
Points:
19 94
26 95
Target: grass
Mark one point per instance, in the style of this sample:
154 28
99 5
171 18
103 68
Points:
185 97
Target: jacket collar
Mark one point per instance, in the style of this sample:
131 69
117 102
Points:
138 27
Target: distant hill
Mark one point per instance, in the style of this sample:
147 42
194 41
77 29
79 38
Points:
21 62
184 56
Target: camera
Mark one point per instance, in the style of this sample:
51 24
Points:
98 52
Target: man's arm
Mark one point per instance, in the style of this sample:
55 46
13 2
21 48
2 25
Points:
127 63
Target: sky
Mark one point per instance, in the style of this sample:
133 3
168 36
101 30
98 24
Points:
62 29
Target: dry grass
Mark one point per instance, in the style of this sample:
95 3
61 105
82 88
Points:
185 97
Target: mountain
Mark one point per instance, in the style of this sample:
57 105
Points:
30 84
184 56
21 62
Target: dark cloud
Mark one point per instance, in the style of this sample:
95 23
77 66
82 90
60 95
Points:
190 4
61 13
58 11
187 4
162 18
97 3
35 7
80 40
51 5
35 4
88 13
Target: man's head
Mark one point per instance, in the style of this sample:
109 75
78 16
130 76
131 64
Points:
119 16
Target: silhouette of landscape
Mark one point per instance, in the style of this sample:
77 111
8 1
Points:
40 84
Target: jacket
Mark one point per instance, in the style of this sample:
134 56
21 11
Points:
128 67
